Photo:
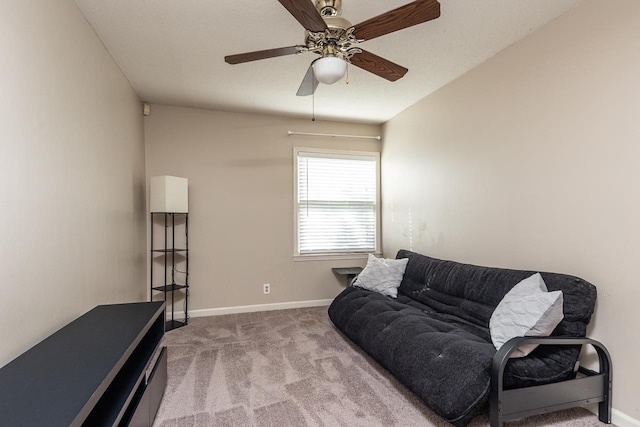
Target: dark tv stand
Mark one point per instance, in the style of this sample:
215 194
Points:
93 372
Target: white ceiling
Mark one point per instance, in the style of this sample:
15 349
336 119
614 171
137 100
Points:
172 52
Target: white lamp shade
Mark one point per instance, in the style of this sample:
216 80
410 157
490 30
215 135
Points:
169 194
329 69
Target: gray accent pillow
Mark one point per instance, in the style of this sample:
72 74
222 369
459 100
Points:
382 275
526 310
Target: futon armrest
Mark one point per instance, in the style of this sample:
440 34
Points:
498 399
501 357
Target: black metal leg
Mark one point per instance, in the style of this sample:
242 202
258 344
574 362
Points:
186 278
151 263
604 407
173 267
495 406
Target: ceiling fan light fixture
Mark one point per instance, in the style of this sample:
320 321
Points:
329 69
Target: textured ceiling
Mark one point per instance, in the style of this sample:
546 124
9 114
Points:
172 52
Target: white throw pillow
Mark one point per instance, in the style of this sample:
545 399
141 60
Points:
526 310
382 275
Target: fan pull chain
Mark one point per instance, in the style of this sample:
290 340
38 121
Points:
347 80
313 106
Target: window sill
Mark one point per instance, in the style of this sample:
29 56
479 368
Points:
332 257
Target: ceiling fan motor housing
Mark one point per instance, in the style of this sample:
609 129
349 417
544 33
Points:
332 41
337 22
331 11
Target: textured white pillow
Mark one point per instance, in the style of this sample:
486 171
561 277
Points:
382 275
527 310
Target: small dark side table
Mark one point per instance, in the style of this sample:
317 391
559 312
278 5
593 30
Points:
350 272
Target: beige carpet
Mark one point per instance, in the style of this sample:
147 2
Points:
292 368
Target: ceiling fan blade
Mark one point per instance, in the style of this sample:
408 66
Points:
405 16
262 54
306 14
378 66
309 83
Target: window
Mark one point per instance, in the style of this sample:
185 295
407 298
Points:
336 202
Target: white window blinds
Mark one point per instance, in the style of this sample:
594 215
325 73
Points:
336 202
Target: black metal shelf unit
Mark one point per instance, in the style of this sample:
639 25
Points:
171 259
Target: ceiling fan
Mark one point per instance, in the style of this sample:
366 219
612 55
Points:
335 40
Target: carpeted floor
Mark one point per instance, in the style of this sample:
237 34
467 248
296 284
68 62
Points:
292 368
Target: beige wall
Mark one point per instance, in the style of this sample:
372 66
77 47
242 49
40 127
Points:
72 231
531 161
240 171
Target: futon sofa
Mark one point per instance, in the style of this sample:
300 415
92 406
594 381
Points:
435 339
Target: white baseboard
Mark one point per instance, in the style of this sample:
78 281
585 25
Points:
623 420
253 308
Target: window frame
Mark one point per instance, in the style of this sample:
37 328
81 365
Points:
338 153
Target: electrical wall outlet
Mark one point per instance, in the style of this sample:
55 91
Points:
266 288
